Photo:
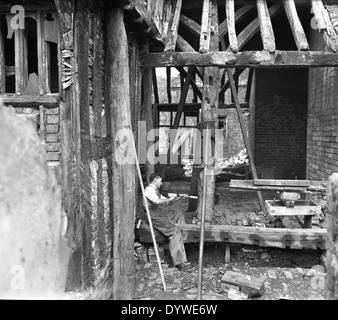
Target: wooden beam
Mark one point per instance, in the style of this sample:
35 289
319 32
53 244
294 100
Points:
170 42
205 27
247 59
123 174
191 107
146 16
295 24
263 237
267 34
183 98
249 85
254 26
240 14
244 134
42 53
155 86
21 60
249 185
230 14
65 10
192 83
168 71
2 61
48 101
226 86
325 25
191 25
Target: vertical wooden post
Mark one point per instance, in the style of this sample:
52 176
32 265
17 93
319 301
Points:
42 53
2 62
123 174
331 289
168 71
146 111
21 61
209 108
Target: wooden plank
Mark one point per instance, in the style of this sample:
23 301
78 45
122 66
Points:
48 101
194 107
42 52
2 61
191 25
21 60
295 24
249 85
267 34
205 27
230 18
170 42
301 208
289 183
65 10
248 185
264 237
247 59
123 174
254 26
252 286
168 72
155 86
240 14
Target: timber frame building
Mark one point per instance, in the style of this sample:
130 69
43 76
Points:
82 69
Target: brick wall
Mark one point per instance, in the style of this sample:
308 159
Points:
322 137
280 122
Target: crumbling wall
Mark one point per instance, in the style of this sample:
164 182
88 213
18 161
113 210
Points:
322 136
332 238
33 253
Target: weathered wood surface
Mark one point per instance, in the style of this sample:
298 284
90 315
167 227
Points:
48 101
155 88
65 9
196 106
191 25
249 185
123 174
325 26
251 59
168 73
295 24
193 84
42 54
264 237
301 208
252 286
331 290
101 148
240 14
230 14
205 27
171 37
290 183
267 35
21 61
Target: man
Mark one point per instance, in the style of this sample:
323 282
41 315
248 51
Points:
164 217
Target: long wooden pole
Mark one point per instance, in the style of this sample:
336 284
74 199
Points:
147 208
200 258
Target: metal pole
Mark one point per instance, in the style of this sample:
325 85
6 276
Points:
147 209
200 259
